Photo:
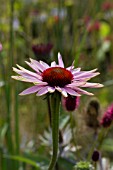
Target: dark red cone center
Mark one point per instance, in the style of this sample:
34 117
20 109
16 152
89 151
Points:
57 76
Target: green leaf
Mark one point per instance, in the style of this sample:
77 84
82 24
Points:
24 159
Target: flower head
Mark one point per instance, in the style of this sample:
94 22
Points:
93 26
107 117
42 49
48 79
92 113
70 103
95 156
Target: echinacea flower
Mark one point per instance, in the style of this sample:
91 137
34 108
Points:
48 79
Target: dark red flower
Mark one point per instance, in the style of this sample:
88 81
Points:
42 51
94 26
95 156
107 6
70 103
106 120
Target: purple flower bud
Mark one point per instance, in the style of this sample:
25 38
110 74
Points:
107 117
70 103
95 156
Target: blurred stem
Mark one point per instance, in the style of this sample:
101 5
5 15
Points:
55 110
97 143
16 120
73 125
7 83
80 48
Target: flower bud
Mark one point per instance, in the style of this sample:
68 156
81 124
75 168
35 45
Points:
95 156
70 103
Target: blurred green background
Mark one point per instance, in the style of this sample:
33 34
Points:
81 30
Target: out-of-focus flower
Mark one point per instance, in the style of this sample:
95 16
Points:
16 23
93 26
0 47
48 79
107 6
82 165
70 103
42 51
92 113
107 117
95 156
110 111
62 13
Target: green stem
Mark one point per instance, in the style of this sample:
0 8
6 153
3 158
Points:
55 108
97 143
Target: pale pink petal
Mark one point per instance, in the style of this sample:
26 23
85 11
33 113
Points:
75 71
34 67
27 74
60 61
76 84
53 64
38 65
81 91
20 78
92 85
44 64
85 76
71 67
31 90
51 89
43 91
62 91
72 92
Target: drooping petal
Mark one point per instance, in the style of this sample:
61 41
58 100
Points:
21 78
76 84
31 90
85 76
42 91
92 85
51 89
60 61
72 92
81 91
27 74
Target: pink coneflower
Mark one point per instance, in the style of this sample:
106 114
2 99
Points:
48 79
